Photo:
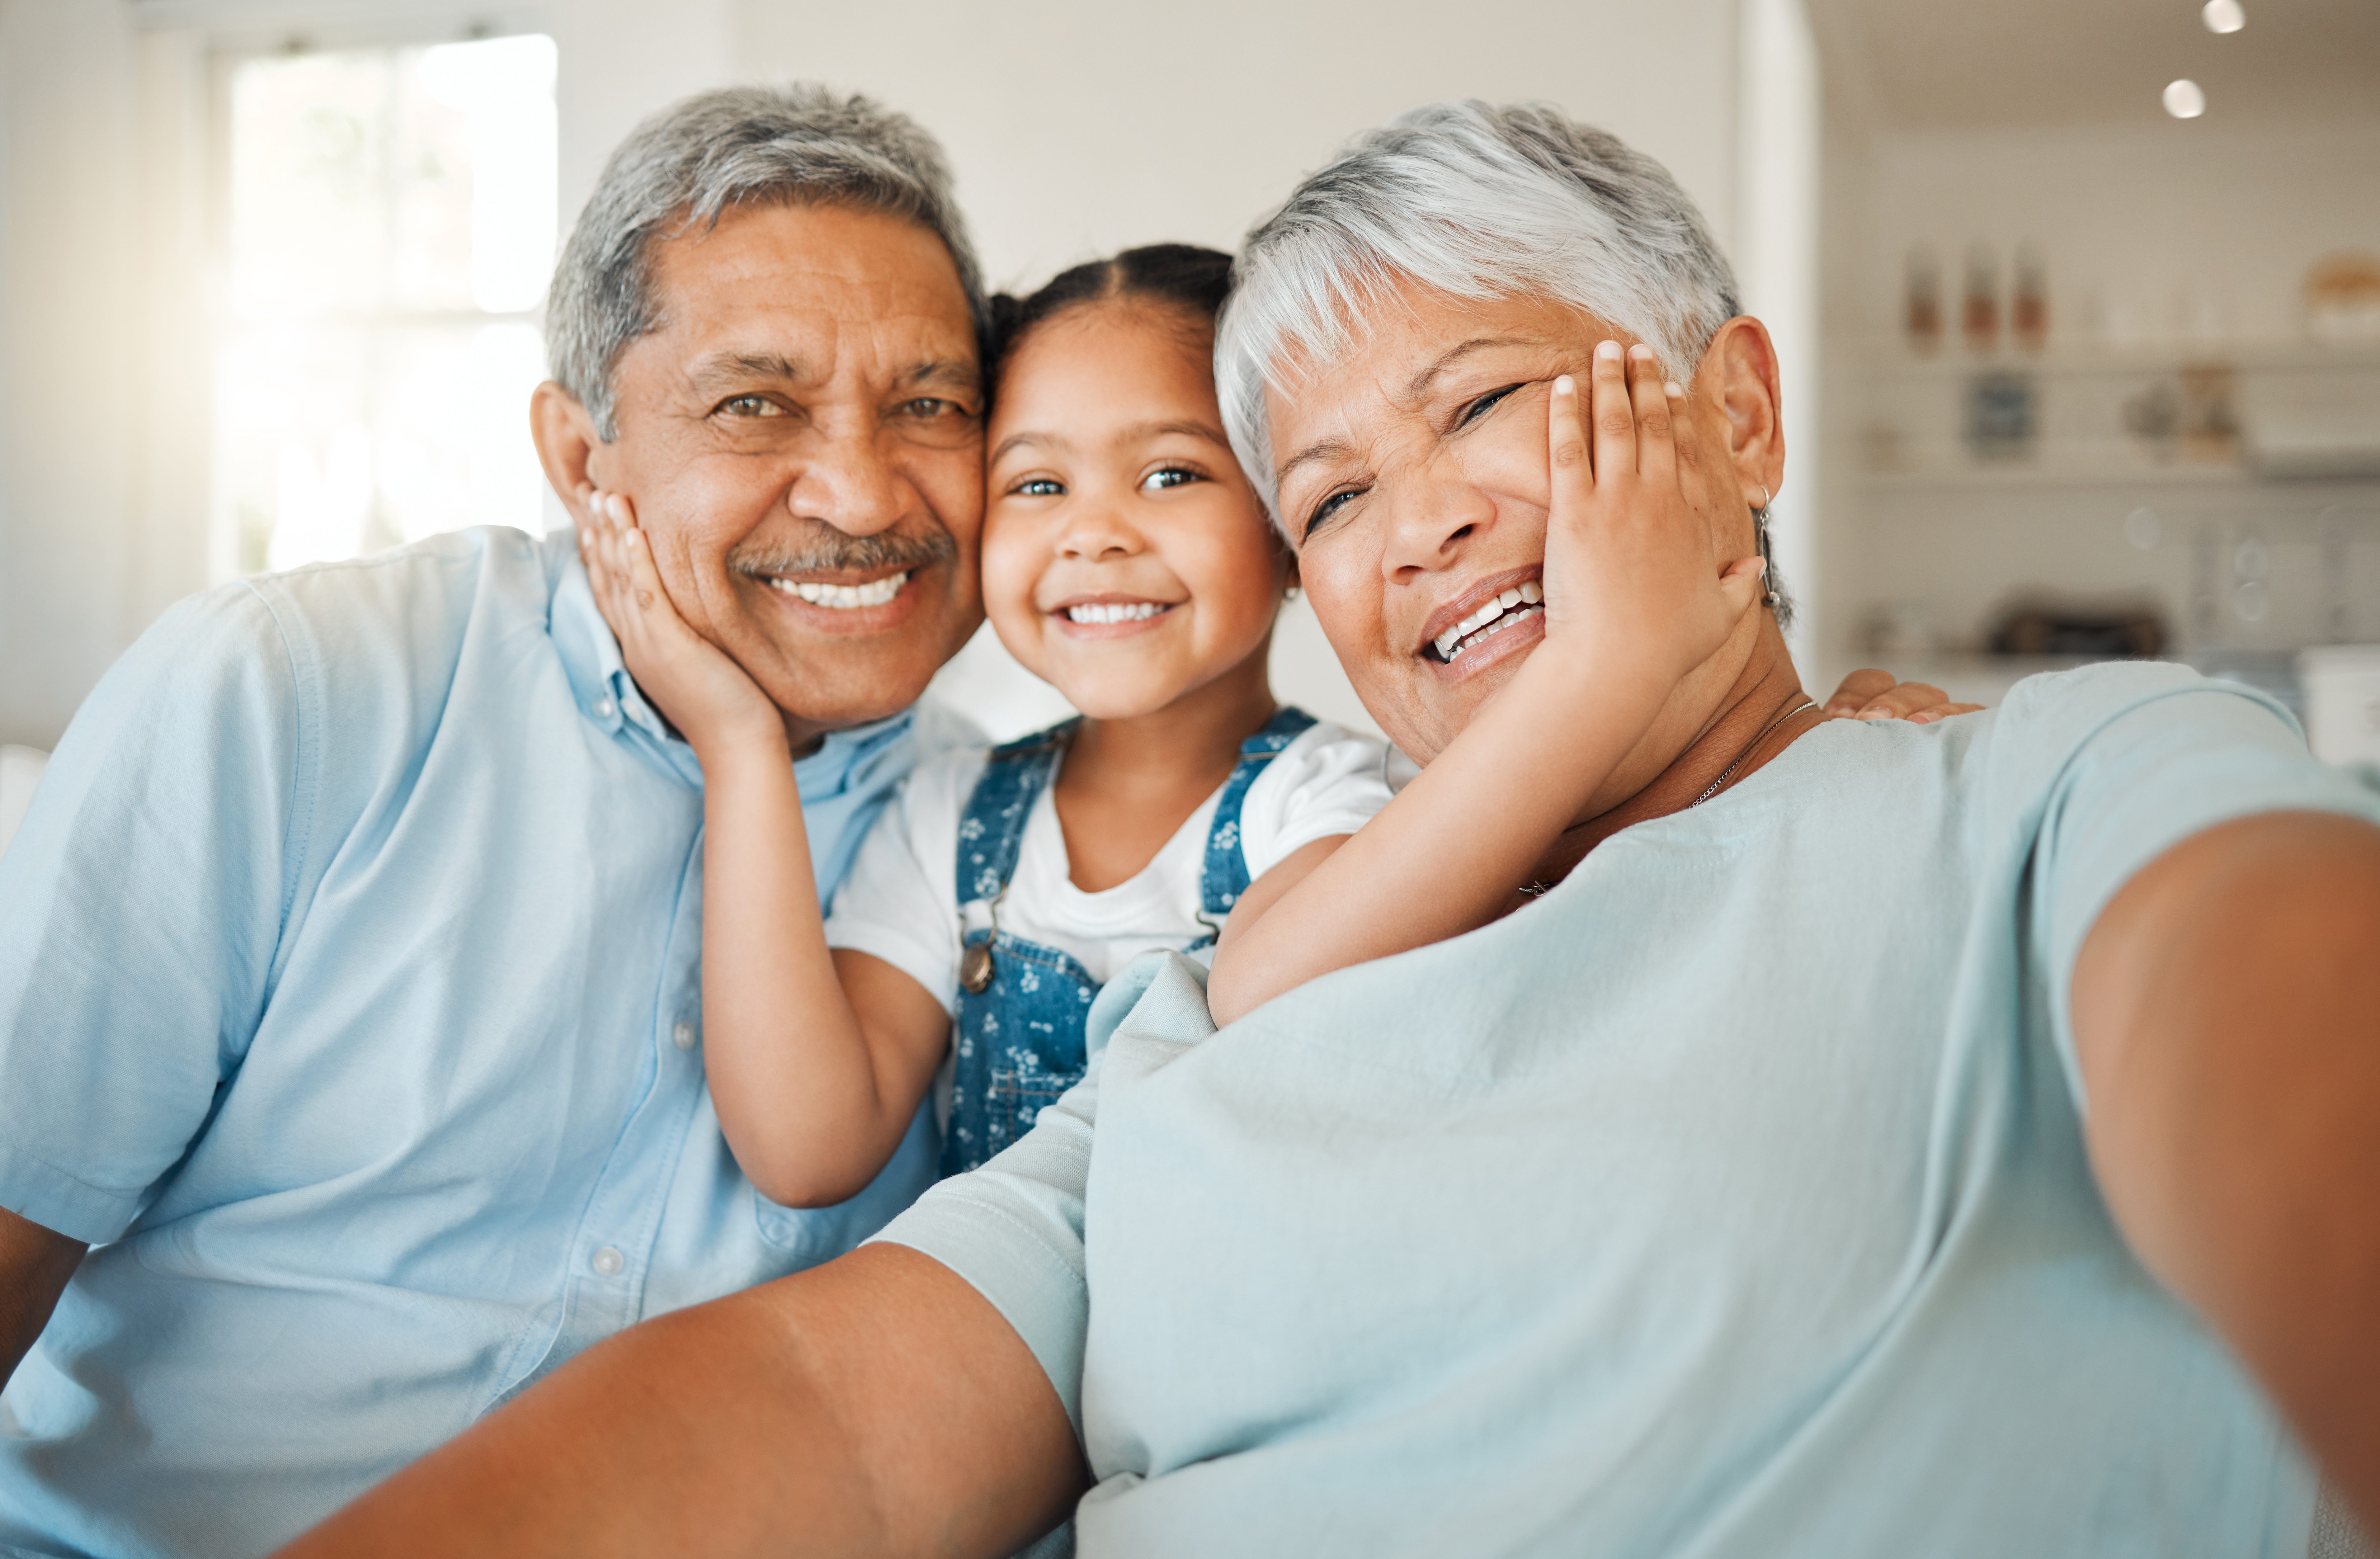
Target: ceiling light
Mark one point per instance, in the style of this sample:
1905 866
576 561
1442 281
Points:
2184 99
2223 16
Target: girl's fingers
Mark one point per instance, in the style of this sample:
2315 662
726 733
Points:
1656 456
1615 424
1574 483
1742 586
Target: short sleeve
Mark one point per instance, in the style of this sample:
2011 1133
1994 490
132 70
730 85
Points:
1329 781
1014 1230
141 911
895 903
2186 755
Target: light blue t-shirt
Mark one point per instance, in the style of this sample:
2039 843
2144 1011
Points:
349 971
1731 1200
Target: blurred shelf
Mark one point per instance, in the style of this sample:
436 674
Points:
1892 360
2209 478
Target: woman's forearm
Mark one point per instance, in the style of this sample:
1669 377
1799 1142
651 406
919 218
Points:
802 1093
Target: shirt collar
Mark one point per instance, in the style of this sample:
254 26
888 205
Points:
608 698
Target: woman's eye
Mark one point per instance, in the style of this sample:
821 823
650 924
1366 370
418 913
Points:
1038 487
1483 406
751 405
1328 506
1172 476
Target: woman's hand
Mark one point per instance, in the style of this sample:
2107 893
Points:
707 696
1629 581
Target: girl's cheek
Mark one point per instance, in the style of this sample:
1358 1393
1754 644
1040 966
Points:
1011 569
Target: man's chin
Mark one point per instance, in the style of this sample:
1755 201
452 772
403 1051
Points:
831 682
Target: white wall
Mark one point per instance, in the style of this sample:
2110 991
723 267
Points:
1076 128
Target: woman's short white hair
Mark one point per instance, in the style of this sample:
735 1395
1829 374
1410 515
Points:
1477 201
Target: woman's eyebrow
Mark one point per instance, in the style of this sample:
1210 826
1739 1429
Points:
1419 383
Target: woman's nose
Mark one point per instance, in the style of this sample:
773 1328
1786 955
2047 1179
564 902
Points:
1434 512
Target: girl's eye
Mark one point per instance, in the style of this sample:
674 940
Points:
1328 506
1038 487
751 405
1172 476
1483 406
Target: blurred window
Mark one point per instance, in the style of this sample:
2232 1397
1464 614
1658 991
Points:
392 222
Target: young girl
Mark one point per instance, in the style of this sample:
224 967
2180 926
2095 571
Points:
1127 560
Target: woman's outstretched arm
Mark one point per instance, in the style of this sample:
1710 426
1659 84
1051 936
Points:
874 1406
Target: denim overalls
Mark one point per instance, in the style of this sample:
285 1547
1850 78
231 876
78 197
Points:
1020 1038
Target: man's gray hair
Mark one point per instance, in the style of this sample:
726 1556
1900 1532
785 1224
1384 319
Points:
1478 201
791 145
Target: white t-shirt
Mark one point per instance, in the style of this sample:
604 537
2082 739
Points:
900 901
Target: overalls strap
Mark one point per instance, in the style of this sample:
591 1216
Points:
1225 876
993 828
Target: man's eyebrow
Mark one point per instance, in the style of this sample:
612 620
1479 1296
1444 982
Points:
959 372
731 367
1419 383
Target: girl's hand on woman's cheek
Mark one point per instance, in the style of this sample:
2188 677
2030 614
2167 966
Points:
1629 583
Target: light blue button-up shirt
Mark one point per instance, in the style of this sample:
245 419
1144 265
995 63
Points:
349 983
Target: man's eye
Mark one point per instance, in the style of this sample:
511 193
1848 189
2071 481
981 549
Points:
1171 476
1483 406
927 409
1038 487
751 405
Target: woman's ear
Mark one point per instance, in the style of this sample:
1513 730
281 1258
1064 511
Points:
567 444
1741 365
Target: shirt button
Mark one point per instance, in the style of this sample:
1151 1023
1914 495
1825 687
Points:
682 1036
608 1263
604 708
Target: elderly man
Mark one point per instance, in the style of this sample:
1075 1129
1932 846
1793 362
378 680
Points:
1737 1197
348 957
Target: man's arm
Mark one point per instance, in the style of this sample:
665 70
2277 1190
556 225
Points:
2226 1024
877 1404
35 1266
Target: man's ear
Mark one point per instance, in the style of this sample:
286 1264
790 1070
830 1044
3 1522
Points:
566 443
1741 365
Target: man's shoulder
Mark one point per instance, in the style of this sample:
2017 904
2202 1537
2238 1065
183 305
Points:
420 598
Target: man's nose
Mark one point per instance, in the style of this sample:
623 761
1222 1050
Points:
847 481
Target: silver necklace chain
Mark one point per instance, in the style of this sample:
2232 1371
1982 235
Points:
1749 748
1539 887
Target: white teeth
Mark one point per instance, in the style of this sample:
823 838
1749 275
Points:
1110 612
845 598
1493 616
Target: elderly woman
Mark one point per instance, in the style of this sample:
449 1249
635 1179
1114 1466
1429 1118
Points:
1738 1196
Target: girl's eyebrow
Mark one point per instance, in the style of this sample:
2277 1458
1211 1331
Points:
1187 428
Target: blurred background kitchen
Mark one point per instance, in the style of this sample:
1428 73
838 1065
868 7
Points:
2080 303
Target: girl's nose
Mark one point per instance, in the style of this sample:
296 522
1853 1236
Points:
1095 533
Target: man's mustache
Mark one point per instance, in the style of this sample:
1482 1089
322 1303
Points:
829 551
